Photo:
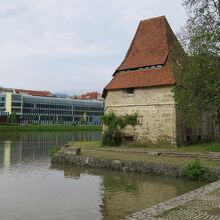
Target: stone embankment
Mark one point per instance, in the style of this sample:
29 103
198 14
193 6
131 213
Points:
133 166
121 165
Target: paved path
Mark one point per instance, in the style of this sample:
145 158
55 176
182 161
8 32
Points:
203 204
205 207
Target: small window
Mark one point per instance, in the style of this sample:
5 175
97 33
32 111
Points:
129 91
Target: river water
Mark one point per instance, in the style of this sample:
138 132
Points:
30 189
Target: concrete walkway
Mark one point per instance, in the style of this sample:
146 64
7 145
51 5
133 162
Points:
202 203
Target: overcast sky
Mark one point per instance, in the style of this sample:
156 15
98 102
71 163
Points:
71 46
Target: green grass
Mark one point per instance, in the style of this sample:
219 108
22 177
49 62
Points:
197 148
146 158
95 149
4 128
54 150
202 148
148 145
86 144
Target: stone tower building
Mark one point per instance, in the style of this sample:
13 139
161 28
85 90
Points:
143 84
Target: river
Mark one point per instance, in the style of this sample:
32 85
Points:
30 189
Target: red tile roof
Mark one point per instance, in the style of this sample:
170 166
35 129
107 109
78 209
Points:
150 47
90 96
142 78
35 93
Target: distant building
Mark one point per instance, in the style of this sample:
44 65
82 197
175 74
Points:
6 89
143 84
27 92
34 93
42 107
91 96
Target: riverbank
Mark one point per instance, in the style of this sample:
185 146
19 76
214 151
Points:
145 160
121 165
162 155
4 128
203 202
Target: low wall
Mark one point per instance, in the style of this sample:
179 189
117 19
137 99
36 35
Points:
121 165
132 166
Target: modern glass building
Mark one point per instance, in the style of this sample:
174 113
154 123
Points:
47 110
2 104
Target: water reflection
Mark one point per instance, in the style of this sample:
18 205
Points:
125 193
31 146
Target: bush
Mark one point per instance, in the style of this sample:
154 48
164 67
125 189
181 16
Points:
54 150
113 127
195 171
111 138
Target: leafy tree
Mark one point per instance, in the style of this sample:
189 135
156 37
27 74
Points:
113 127
197 75
201 34
13 118
7 119
54 120
83 119
61 121
76 96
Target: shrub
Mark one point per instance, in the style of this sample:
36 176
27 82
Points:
113 127
54 150
13 118
195 171
83 119
111 138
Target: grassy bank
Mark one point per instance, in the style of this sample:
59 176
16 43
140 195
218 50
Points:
196 148
128 153
4 128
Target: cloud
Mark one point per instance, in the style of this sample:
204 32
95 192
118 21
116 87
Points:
71 45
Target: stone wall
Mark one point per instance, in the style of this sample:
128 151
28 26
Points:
122 165
155 108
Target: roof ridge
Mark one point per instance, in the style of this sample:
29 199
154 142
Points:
33 90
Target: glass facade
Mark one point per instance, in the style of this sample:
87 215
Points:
48 110
16 104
